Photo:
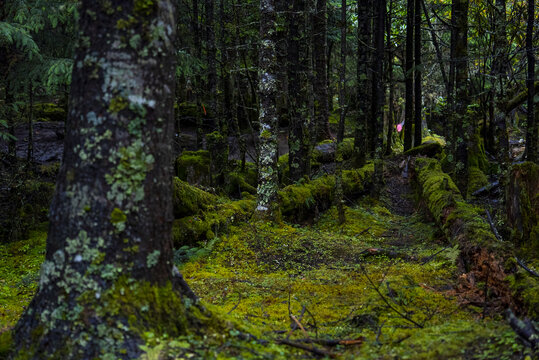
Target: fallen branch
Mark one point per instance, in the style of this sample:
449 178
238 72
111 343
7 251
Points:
331 342
235 306
493 227
486 188
524 328
429 258
312 349
521 263
384 252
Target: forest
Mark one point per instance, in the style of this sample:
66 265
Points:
269 179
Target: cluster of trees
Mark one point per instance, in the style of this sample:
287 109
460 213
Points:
247 66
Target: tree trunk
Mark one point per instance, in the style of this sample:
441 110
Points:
463 130
30 148
320 66
342 105
409 76
298 151
417 74
211 59
364 31
108 274
390 55
198 78
379 94
267 205
532 133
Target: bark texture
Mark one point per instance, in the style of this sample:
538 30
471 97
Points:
108 272
409 77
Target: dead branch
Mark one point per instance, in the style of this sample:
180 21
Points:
312 349
524 328
388 253
333 342
521 263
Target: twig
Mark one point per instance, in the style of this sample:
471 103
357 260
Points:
331 342
235 306
429 258
312 349
521 263
314 322
405 317
493 227
364 231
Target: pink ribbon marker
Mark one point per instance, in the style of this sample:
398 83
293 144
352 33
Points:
399 126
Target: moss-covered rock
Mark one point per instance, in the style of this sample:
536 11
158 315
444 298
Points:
476 180
189 200
49 112
194 167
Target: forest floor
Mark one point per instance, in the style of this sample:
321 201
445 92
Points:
381 286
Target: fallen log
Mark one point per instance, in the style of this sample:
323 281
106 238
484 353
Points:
482 257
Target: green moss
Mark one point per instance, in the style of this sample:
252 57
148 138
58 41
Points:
476 154
189 200
118 104
299 201
143 7
117 216
49 112
476 180
6 344
427 148
194 167
525 287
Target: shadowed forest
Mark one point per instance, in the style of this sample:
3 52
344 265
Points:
241 179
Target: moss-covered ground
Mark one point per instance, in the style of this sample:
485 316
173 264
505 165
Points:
381 284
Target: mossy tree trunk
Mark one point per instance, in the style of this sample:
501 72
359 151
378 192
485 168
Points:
211 60
390 80
108 276
364 31
267 205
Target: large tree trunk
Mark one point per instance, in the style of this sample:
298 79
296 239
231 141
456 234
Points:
364 31
108 275
390 55
409 76
267 205
532 133
320 66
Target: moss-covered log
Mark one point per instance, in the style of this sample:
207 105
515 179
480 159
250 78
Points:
482 256
299 201
194 167
192 229
189 200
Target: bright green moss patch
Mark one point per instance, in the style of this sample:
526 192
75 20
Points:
476 180
19 274
194 167
49 112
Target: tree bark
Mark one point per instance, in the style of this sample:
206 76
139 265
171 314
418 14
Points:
532 133
417 74
379 94
108 274
320 66
409 76
342 106
267 205
211 59
364 31
390 55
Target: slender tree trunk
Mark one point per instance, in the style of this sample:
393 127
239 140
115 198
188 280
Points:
342 105
364 31
30 149
409 76
379 94
436 47
211 59
198 79
267 205
532 133
390 55
451 87
296 140
108 275
417 75
320 66
463 129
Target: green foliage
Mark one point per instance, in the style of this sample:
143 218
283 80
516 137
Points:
189 200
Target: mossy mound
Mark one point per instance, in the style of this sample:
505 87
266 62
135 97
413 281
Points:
49 112
301 201
189 200
191 230
427 148
476 180
194 167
